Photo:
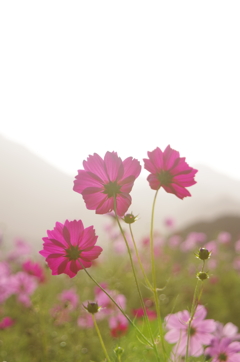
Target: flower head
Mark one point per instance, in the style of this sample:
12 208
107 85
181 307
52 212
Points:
70 298
69 247
224 350
170 171
34 269
200 332
104 180
23 286
6 322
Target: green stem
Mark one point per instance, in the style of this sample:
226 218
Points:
100 338
121 310
136 281
154 281
193 310
139 259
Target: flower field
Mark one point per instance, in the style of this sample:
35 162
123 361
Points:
164 297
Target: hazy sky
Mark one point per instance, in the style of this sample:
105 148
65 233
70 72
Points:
78 77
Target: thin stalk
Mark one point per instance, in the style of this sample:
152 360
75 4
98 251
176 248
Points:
118 306
193 310
139 259
136 281
100 338
154 281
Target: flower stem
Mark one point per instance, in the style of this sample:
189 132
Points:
193 310
137 284
139 259
154 281
100 338
121 310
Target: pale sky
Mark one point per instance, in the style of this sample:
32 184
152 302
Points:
78 77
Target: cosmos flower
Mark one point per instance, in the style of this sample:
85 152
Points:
69 248
224 350
200 332
34 269
70 298
118 325
102 180
170 171
23 286
6 322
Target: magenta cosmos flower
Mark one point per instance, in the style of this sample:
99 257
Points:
200 332
69 247
170 171
102 180
224 350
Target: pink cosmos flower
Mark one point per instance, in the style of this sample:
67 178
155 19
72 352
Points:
102 180
34 269
107 306
139 313
69 248
228 331
170 171
23 286
6 289
224 350
6 322
118 325
85 321
21 250
200 334
70 298
224 237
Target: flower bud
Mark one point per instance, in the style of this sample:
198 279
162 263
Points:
202 276
203 254
92 307
118 351
129 218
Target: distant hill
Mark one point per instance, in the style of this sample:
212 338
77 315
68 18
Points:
34 195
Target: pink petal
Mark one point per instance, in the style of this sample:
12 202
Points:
75 229
57 233
154 182
196 346
200 313
149 166
123 203
95 164
91 254
179 191
170 157
88 238
132 167
127 184
105 206
173 335
113 166
184 180
156 157
86 179
93 200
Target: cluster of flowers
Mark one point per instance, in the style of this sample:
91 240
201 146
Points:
19 276
105 185
221 341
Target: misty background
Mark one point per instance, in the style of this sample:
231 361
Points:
81 77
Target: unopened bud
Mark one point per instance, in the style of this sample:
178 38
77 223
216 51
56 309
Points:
203 254
92 307
118 351
130 218
202 276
